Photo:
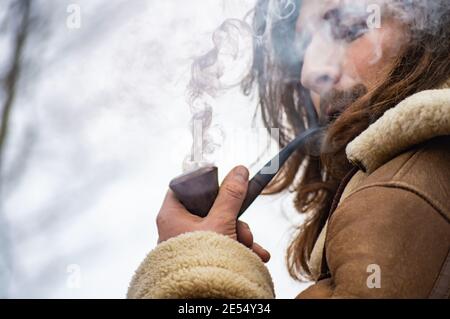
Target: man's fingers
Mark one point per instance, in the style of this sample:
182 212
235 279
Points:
245 237
244 234
171 201
172 208
261 252
231 194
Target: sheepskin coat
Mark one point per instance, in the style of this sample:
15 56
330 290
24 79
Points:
387 237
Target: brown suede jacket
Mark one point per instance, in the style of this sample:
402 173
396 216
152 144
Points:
389 236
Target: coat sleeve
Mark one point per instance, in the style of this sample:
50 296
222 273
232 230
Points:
385 242
201 265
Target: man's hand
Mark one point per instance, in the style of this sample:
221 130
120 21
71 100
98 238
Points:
173 219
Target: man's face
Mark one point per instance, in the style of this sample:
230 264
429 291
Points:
347 53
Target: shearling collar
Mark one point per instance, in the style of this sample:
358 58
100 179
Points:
417 119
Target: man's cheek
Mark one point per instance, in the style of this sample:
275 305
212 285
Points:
363 62
354 71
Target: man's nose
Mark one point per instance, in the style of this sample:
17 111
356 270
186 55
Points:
320 80
321 67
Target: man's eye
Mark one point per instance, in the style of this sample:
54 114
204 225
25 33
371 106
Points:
351 33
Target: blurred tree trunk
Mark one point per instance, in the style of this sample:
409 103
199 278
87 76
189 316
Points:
19 13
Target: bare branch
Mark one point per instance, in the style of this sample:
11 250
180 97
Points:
12 76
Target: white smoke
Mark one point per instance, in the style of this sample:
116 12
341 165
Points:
220 69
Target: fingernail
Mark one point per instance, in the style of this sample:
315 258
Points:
241 174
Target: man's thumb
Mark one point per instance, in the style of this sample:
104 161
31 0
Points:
231 194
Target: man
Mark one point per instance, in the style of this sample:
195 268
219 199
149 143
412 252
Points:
376 198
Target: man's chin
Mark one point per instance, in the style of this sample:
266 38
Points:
336 102
329 115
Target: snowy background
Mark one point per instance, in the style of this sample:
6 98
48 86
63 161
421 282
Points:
98 127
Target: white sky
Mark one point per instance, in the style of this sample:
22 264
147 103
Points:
108 103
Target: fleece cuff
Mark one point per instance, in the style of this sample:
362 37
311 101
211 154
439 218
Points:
201 265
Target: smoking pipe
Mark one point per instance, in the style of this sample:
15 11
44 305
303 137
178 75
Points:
198 190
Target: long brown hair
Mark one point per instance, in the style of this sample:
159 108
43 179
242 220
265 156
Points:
423 64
